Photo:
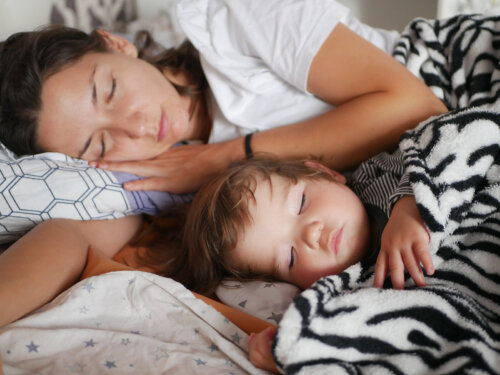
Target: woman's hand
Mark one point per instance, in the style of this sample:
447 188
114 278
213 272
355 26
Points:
181 169
404 244
259 349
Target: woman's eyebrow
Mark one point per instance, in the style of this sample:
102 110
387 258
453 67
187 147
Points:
85 148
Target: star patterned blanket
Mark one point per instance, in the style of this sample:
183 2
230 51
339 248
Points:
342 325
126 322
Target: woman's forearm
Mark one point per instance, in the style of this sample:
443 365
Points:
352 132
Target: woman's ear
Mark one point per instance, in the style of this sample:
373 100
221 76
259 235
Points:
118 44
338 177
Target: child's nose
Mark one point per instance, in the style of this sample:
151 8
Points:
312 233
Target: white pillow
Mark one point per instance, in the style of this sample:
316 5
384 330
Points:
266 300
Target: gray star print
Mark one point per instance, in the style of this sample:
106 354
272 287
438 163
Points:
91 343
32 347
110 364
275 317
88 287
199 362
236 338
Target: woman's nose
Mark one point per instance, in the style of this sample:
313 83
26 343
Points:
312 233
141 130
137 126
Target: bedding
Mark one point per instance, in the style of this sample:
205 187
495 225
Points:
125 322
52 185
266 300
342 324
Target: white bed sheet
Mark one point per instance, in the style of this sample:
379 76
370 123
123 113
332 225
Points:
126 322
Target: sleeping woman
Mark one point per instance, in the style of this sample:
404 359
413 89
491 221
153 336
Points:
294 79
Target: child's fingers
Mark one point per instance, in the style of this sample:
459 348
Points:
424 256
413 267
397 270
380 270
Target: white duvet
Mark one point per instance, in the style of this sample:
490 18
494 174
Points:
126 322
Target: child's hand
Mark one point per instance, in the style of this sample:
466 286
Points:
404 244
259 349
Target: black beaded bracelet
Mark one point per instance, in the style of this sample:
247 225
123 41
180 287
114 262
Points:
248 147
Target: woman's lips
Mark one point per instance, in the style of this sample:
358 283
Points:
162 128
335 241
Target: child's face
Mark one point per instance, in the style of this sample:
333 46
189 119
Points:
302 232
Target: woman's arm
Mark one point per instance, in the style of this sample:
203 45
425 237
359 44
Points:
51 257
376 100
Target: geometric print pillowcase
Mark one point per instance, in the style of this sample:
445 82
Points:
40 187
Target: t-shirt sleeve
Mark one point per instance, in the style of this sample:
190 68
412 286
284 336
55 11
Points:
287 35
284 35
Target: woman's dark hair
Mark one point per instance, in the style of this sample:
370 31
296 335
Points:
27 59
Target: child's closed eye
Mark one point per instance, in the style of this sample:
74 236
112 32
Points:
302 202
292 258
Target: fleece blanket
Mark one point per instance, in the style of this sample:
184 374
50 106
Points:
342 325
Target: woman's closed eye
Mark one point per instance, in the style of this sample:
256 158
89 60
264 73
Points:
103 147
112 91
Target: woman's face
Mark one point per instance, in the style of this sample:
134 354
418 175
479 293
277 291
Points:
112 106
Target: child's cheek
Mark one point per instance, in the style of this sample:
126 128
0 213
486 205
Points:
307 277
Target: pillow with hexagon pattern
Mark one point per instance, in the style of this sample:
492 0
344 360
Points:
52 185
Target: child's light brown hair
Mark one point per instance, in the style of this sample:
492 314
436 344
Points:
219 213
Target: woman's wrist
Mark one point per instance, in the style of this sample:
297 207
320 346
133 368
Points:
233 150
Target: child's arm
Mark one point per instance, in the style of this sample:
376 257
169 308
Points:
51 257
404 244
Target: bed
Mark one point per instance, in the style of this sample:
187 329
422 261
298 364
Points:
137 322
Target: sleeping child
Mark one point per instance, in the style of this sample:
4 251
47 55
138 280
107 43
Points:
298 221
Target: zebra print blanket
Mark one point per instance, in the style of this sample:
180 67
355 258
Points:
342 325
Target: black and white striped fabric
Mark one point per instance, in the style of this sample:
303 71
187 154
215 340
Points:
342 325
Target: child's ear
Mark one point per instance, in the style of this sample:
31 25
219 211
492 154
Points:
338 177
118 44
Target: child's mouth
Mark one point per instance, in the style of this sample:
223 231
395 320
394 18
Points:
336 240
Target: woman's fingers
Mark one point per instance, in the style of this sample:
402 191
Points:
141 168
153 183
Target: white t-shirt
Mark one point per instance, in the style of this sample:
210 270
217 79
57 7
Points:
256 55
